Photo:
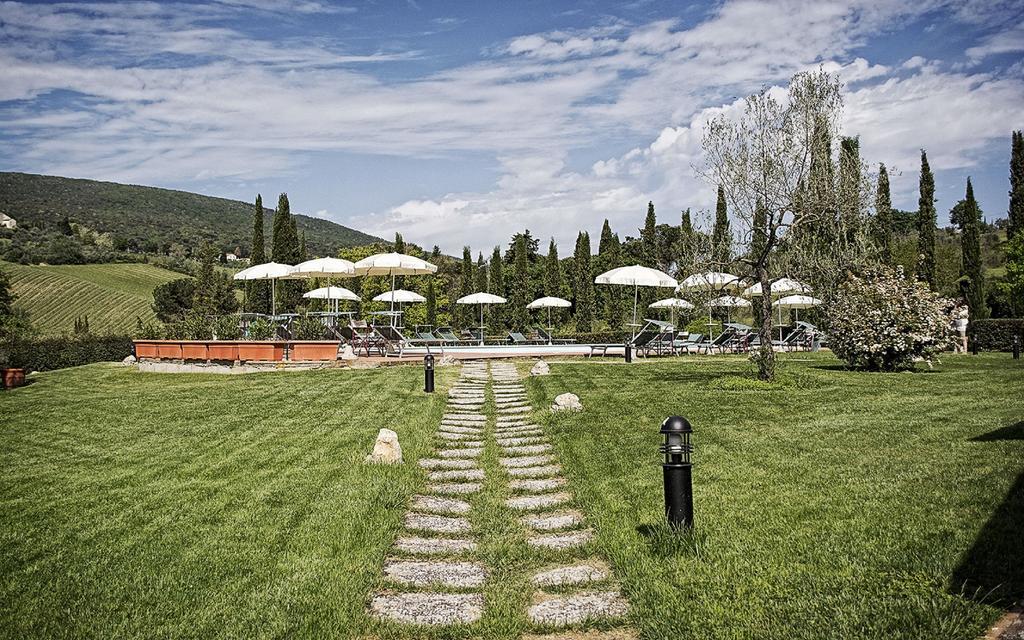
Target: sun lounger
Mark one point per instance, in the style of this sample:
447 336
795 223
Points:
516 337
547 337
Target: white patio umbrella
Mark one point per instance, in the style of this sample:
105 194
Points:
481 298
672 304
781 287
729 302
323 268
393 264
399 296
637 276
272 271
796 303
549 303
710 281
334 294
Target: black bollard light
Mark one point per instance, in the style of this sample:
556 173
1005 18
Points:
678 471
428 373
1016 347
628 352
974 345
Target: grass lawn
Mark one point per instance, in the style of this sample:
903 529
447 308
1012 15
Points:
832 504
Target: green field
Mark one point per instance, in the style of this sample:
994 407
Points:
830 505
112 295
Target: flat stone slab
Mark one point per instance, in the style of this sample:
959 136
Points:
535 472
469 444
537 486
436 524
579 607
439 505
457 474
455 428
520 440
434 546
554 521
423 573
454 488
527 450
514 410
458 418
534 503
519 428
525 461
429 608
516 421
460 453
445 435
573 574
568 540
442 463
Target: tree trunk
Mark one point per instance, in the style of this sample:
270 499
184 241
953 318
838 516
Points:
766 356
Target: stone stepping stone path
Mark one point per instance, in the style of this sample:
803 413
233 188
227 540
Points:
541 494
431 557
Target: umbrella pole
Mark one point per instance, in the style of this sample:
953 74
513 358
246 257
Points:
273 297
392 298
636 289
549 326
481 324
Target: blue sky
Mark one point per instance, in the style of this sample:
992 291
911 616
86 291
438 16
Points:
461 122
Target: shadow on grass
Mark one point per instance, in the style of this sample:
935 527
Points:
843 367
1009 432
993 568
665 541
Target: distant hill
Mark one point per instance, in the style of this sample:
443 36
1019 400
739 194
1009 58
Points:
152 220
112 295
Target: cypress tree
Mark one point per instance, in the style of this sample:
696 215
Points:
1016 211
258 291
649 238
584 284
926 218
552 272
972 272
608 300
303 255
399 243
481 273
883 216
465 313
686 249
520 290
721 236
849 186
204 296
496 285
431 303
285 249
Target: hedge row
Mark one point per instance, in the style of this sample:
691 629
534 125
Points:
45 354
996 334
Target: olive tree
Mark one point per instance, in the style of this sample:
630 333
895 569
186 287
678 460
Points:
775 165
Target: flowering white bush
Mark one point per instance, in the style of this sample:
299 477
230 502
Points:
884 321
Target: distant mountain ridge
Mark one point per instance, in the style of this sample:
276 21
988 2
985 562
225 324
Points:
152 219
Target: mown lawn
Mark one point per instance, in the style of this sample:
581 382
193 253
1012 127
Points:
833 504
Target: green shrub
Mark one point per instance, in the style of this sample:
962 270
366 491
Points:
226 328
308 327
45 354
147 330
260 329
196 327
883 321
996 334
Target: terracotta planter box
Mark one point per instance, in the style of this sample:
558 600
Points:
194 350
222 350
314 350
263 351
13 378
146 349
169 350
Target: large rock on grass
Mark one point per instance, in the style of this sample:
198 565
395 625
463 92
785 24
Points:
540 369
567 402
386 450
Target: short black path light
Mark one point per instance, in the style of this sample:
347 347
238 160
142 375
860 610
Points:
1016 347
678 471
628 352
974 345
428 373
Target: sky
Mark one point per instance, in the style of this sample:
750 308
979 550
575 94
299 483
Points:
460 123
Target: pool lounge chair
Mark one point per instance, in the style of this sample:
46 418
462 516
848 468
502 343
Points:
396 343
363 339
689 342
517 338
639 344
547 337
449 338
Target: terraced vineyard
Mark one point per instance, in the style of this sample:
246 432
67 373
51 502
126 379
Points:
112 295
